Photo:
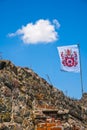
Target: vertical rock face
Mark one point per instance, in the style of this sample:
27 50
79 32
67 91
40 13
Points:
22 92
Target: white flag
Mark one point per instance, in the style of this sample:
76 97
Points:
69 58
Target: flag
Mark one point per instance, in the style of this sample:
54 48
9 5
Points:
69 58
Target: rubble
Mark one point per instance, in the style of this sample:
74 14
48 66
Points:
27 101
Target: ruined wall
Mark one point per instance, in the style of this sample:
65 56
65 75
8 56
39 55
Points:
22 91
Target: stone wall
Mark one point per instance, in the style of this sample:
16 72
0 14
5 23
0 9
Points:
22 91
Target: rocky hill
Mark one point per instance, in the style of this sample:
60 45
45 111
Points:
23 92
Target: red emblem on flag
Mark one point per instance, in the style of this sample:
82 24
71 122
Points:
69 58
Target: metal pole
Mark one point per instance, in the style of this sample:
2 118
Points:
80 70
49 78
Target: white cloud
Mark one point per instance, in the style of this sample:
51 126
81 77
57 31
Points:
12 34
43 31
57 24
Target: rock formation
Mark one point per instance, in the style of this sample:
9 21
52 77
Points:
23 92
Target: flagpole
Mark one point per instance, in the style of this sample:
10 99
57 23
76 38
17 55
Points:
80 70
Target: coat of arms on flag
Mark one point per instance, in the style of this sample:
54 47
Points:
69 58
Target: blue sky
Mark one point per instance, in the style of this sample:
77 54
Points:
31 30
